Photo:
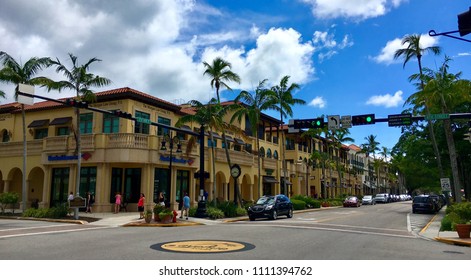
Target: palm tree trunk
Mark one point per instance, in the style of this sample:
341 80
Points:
213 163
79 160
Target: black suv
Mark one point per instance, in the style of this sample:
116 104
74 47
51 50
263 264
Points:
271 206
424 203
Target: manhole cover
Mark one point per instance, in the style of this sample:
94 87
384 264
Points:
203 246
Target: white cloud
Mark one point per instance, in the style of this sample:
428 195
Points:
387 53
318 102
358 9
464 54
387 100
327 46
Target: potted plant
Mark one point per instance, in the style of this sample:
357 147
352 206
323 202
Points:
460 216
166 216
148 216
157 209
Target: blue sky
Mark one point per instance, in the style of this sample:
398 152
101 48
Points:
339 51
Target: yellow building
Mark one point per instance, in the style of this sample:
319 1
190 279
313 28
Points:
130 157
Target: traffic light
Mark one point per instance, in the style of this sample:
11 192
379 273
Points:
309 123
76 103
464 23
363 119
121 114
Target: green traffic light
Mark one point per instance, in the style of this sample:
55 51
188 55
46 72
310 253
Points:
318 123
368 119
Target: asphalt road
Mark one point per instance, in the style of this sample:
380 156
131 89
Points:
380 232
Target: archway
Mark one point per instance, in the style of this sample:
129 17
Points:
35 185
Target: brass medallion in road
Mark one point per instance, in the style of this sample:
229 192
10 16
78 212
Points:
203 246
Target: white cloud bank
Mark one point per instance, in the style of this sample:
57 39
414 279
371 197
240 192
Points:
387 100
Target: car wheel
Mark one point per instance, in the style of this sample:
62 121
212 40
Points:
274 215
251 218
290 213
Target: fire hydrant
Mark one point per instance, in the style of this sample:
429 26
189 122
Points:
175 214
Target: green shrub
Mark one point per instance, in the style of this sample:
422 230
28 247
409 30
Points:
463 210
316 204
29 212
192 211
214 213
158 208
229 208
310 202
50 213
8 198
298 204
241 212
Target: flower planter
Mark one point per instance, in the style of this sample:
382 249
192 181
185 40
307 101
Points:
463 230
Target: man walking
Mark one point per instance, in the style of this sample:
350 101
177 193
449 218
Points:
186 206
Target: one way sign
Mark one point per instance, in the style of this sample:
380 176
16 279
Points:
333 122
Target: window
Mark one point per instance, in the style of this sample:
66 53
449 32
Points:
248 147
63 131
210 144
275 154
290 145
40 133
269 153
161 130
86 123
110 123
261 152
142 127
5 136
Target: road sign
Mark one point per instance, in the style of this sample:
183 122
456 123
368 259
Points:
400 120
437 117
346 121
333 122
445 182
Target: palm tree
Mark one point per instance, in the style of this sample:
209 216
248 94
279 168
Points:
13 72
384 153
252 109
447 90
78 79
412 50
339 137
210 116
368 148
220 73
283 100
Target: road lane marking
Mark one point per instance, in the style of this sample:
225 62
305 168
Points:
51 232
30 228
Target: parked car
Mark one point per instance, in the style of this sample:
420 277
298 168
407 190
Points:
424 203
368 200
271 206
351 201
381 198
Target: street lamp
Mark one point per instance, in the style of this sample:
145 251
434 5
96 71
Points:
175 140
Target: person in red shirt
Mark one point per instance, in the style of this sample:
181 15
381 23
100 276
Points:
140 205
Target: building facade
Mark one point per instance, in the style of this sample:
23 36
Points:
133 157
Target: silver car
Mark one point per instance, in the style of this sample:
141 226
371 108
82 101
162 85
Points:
381 198
368 200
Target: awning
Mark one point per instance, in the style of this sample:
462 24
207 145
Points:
269 179
229 138
186 127
287 182
239 141
61 121
39 123
216 135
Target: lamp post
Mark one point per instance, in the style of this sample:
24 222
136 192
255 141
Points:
172 140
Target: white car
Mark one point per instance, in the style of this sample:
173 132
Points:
368 200
381 198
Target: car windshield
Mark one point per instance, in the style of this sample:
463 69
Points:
380 195
351 198
367 197
420 199
266 200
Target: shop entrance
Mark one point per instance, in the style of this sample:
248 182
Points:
59 186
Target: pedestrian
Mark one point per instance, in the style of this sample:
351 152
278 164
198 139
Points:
161 199
205 194
186 206
90 201
71 196
140 205
117 202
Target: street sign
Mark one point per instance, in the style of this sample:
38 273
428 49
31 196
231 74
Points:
333 122
23 88
445 183
436 117
400 120
346 121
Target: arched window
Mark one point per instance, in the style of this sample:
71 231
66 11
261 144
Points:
275 154
261 152
269 153
5 136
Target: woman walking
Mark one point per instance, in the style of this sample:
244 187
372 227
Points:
140 205
117 202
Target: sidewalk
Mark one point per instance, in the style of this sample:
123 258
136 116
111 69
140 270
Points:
432 231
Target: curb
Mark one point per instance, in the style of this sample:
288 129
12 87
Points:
454 241
144 224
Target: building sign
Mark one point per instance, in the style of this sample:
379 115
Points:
85 156
177 160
